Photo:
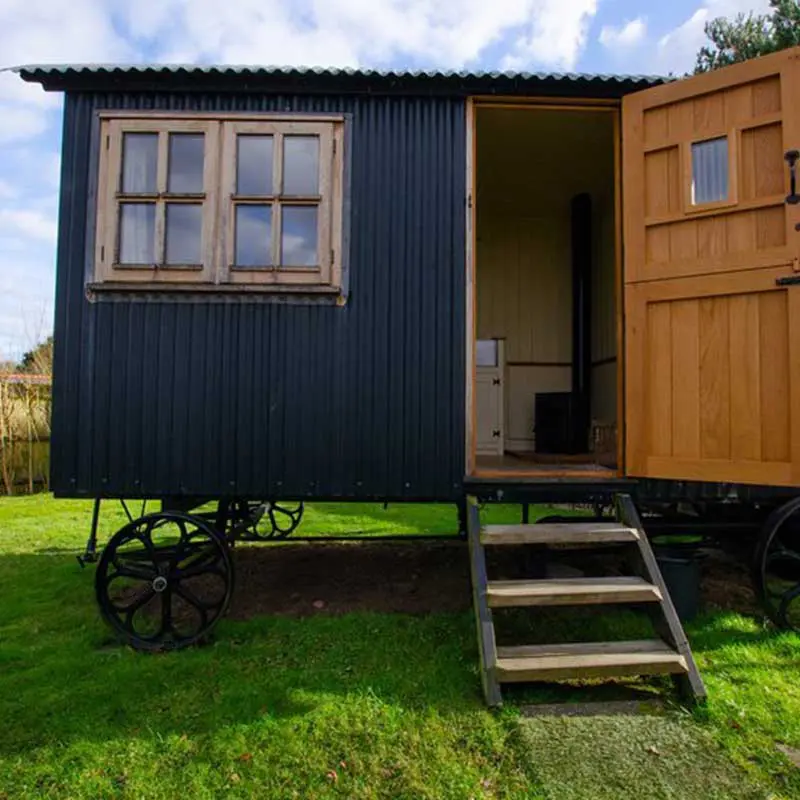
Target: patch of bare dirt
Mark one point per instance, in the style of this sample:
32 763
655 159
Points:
726 583
416 577
335 578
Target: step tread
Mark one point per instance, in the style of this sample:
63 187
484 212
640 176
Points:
587 660
558 533
571 591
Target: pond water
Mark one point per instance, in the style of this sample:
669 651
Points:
24 466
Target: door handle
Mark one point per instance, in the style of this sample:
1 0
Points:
789 280
791 156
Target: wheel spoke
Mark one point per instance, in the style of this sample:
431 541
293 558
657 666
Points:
137 573
790 596
783 554
141 601
205 562
181 547
185 593
166 612
291 514
291 519
146 538
777 574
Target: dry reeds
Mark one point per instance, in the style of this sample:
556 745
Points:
25 402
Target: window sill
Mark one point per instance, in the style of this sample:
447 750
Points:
205 288
205 292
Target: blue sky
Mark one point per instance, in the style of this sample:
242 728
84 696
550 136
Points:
577 35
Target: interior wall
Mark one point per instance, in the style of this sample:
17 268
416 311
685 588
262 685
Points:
604 313
530 164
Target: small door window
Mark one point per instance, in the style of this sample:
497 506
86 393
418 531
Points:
710 171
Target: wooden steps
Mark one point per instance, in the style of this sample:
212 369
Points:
558 534
592 660
669 655
571 591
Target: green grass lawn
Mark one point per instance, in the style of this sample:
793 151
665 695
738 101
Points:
359 705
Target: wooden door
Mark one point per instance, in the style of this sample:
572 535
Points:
489 398
712 336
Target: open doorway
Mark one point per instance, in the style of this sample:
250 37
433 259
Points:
545 378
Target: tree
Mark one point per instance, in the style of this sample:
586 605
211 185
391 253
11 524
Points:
750 35
38 361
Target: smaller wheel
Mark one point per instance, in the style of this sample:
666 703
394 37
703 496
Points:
164 581
776 566
271 520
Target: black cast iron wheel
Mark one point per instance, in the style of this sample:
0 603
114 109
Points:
270 520
776 566
164 581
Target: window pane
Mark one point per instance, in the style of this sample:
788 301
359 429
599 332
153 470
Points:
253 236
301 165
299 239
486 353
186 163
710 171
137 233
139 162
184 232
253 164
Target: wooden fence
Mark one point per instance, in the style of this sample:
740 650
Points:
25 402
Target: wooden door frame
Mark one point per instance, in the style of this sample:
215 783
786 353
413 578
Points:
590 105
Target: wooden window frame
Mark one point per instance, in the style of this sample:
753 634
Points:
275 273
732 140
111 196
219 201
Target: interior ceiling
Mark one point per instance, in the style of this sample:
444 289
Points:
544 156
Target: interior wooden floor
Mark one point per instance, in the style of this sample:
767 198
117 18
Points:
540 464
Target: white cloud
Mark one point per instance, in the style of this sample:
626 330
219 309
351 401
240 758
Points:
359 32
48 31
624 36
26 300
34 224
548 34
677 50
556 34
18 123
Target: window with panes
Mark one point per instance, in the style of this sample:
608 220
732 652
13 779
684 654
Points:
227 201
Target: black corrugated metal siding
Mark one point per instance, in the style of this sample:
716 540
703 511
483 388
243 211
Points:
155 398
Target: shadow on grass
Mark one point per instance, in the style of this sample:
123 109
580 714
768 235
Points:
65 678
715 630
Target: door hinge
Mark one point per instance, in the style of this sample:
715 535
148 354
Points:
496 434
102 253
334 146
108 141
495 381
469 200
333 256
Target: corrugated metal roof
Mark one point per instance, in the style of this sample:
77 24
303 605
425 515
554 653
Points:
267 70
65 76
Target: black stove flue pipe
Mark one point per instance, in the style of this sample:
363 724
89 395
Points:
581 223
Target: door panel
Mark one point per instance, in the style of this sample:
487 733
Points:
712 372
753 108
713 386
